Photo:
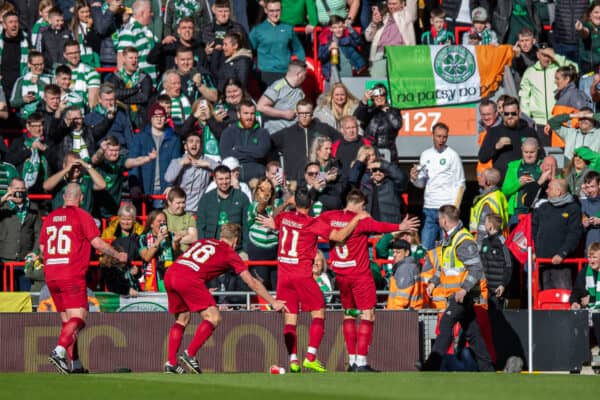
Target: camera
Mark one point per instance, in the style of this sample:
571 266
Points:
378 92
19 195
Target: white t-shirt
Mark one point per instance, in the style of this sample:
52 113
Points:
442 175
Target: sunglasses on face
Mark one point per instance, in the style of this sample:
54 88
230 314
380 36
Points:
373 170
510 113
312 174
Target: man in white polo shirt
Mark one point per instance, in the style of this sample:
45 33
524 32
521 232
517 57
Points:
440 172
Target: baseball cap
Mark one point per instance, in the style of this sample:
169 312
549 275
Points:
479 14
231 163
156 109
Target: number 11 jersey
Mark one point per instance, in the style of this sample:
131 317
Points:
298 238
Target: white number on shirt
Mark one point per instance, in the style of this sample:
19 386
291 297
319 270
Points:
293 249
58 240
200 253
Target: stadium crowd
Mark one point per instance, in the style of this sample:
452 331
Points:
178 118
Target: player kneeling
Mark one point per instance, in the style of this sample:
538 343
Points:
185 282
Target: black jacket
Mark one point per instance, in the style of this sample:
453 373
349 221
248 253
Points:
105 24
53 42
332 195
137 95
51 123
501 158
60 142
294 144
237 66
556 229
579 290
496 261
566 14
380 127
215 60
390 205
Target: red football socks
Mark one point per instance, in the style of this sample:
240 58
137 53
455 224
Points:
202 334
175 338
365 334
290 338
349 329
315 335
68 334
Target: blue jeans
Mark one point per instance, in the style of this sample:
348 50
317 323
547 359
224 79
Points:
431 228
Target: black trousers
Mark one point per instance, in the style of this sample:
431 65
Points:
464 314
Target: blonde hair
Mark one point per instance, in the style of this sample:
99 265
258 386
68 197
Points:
321 256
230 231
327 101
316 146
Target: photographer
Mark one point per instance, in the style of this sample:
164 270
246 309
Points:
73 172
20 226
380 121
71 135
106 119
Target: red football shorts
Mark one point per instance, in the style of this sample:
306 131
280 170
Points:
185 294
300 291
68 294
359 293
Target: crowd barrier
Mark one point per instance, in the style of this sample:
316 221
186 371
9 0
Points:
243 342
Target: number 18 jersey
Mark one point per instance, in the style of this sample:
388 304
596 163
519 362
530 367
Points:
298 237
206 259
66 237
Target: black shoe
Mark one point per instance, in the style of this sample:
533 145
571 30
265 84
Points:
79 371
365 368
60 363
190 362
351 368
170 369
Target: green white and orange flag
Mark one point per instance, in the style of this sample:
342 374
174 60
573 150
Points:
425 76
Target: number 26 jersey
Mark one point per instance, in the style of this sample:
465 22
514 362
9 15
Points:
66 237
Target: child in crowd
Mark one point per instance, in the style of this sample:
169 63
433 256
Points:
41 24
590 208
54 39
405 288
339 48
438 34
496 261
480 33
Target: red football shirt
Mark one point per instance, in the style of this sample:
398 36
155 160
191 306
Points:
298 236
66 235
352 258
208 258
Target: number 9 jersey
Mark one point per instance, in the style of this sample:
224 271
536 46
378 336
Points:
66 237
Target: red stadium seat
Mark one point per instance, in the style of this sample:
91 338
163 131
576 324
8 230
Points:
553 299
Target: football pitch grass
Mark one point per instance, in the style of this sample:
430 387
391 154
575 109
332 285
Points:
330 386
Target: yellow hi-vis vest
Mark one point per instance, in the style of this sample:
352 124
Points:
496 202
453 272
406 297
438 296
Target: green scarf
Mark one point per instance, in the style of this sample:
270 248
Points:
130 80
209 141
31 168
185 8
21 212
100 110
592 286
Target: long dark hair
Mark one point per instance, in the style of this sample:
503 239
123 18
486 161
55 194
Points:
150 220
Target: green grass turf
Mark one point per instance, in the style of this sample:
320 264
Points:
330 386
